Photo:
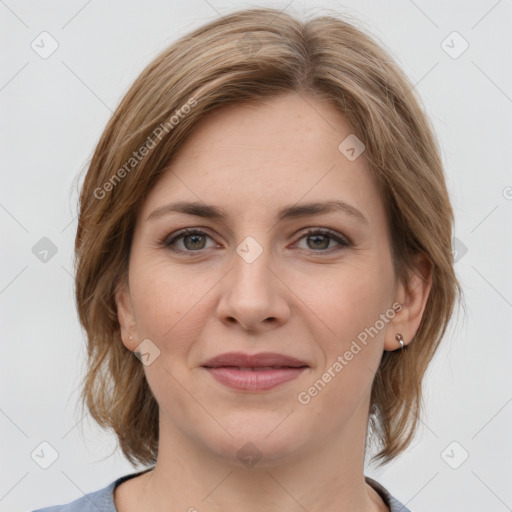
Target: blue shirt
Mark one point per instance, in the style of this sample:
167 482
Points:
103 500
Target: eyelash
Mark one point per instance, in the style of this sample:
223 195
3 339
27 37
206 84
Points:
344 243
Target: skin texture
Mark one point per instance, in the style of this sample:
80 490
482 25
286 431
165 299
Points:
302 296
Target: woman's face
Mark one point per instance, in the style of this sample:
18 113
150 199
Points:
267 277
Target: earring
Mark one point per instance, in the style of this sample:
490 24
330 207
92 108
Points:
400 340
131 338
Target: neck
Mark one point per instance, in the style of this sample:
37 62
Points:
189 477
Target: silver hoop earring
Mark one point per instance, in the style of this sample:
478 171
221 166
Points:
400 340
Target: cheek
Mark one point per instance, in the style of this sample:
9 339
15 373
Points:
351 337
354 307
353 297
170 308
168 302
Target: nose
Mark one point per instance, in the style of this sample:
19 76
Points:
254 297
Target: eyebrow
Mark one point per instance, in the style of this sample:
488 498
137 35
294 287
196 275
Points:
285 213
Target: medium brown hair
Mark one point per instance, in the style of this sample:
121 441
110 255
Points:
252 55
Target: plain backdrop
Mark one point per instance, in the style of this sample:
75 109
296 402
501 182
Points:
53 110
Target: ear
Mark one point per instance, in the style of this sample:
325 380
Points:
126 316
413 297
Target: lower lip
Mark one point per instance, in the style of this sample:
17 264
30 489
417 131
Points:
254 380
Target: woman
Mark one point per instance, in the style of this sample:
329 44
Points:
265 225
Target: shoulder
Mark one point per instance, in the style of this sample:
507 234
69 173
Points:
97 501
393 504
93 502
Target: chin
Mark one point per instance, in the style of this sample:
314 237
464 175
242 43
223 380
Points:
258 440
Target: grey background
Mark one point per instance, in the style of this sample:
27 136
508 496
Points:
53 111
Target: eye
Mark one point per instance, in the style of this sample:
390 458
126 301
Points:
193 240
318 240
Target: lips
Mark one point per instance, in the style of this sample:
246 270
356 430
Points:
256 372
262 360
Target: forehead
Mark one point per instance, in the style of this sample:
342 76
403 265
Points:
254 159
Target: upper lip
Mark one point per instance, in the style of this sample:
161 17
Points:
263 359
